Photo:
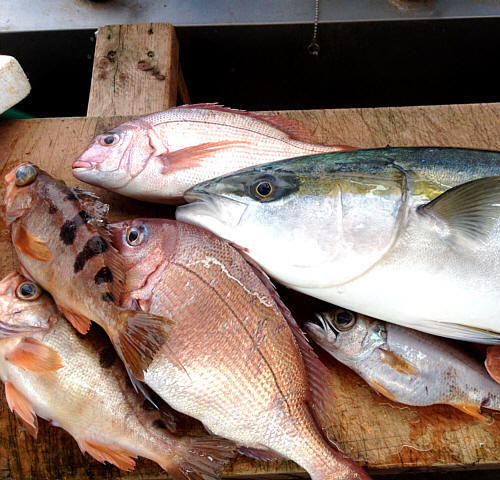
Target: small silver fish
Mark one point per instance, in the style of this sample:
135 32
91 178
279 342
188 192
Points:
406 365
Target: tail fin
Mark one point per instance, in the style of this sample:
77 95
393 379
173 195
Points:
138 339
203 458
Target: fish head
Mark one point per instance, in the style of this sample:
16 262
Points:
115 157
22 183
145 244
310 222
24 307
346 335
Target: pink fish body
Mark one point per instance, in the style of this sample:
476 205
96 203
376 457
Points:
159 156
235 359
79 384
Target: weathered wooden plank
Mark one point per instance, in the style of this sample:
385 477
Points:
135 71
383 435
14 84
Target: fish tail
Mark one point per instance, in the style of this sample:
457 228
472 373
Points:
137 339
316 454
199 458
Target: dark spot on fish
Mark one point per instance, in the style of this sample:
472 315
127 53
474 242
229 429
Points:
52 208
68 230
160 424
95 246
107 357
71 196
104 275
148 406
108 297
85 216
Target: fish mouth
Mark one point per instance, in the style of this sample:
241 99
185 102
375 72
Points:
206 209
320 330
81 164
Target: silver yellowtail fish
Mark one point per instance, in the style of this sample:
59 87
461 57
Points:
159 156
406 365
79 384
381 232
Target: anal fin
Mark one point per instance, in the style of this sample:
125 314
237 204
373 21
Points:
79 322
259 454
201 458
22 408
119 457
472 410
35 356
30 245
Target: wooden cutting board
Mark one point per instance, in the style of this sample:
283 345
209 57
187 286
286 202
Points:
382 435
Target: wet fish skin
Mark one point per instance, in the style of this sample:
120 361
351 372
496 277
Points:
377 231
235 360
61 239
406 365
91 399
159 156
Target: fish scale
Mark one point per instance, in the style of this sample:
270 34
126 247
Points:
62 241
159 156
233 359
91 398
406 365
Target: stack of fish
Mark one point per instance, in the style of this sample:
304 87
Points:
406 235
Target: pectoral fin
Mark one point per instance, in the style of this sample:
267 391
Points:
397 363
138 339
30 245
472 410
34 356
21 407
467 213
79 322
190 157
119 457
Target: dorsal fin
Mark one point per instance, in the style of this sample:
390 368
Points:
292 127
317 373
91 203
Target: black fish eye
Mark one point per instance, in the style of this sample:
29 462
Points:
344 320
109 139
135 236
264 189
28 291
25 175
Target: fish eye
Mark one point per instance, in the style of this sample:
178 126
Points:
109 139
28 291
25 175
135 236
264 189
344 320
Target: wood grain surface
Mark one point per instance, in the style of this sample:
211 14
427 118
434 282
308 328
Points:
135 70
385 436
